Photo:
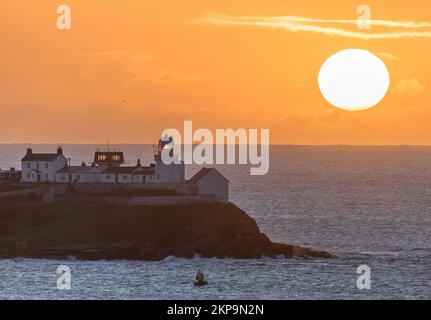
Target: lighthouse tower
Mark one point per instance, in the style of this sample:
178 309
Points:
168 173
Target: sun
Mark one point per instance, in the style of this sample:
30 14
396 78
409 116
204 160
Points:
353 79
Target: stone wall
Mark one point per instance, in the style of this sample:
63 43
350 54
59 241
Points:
97 188
93 193
141 201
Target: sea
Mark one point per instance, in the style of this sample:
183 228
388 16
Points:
368 205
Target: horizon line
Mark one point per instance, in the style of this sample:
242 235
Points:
236 144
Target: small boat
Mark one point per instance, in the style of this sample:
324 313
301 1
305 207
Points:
200 283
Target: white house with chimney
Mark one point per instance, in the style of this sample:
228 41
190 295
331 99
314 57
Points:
42 167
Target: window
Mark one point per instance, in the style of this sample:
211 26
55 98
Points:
125 177
46 175
108 177
63 177
28 175
37 165
143 178
46 165
158 176
101 157
115 157
28 165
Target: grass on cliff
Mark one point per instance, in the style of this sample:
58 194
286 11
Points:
49 224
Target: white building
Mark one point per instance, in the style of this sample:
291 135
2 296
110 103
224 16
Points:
145 175
41 167
118 175
92 174
168 173
79 174
107 168
107 174
211 182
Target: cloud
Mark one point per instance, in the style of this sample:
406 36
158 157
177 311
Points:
379 23
410 87
304 24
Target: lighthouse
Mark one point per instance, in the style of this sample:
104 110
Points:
165 145
172 172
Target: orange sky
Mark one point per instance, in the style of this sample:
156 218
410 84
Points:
69 86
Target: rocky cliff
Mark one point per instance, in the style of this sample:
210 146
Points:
30 227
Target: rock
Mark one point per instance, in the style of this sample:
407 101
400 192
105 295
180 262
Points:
92 231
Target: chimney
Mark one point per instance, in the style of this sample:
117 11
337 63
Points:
59 150
83 164
29 151
139 163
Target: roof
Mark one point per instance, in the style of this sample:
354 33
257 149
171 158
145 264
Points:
94 169
201 173
120 170
72 169
204 172
145 171
40 157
